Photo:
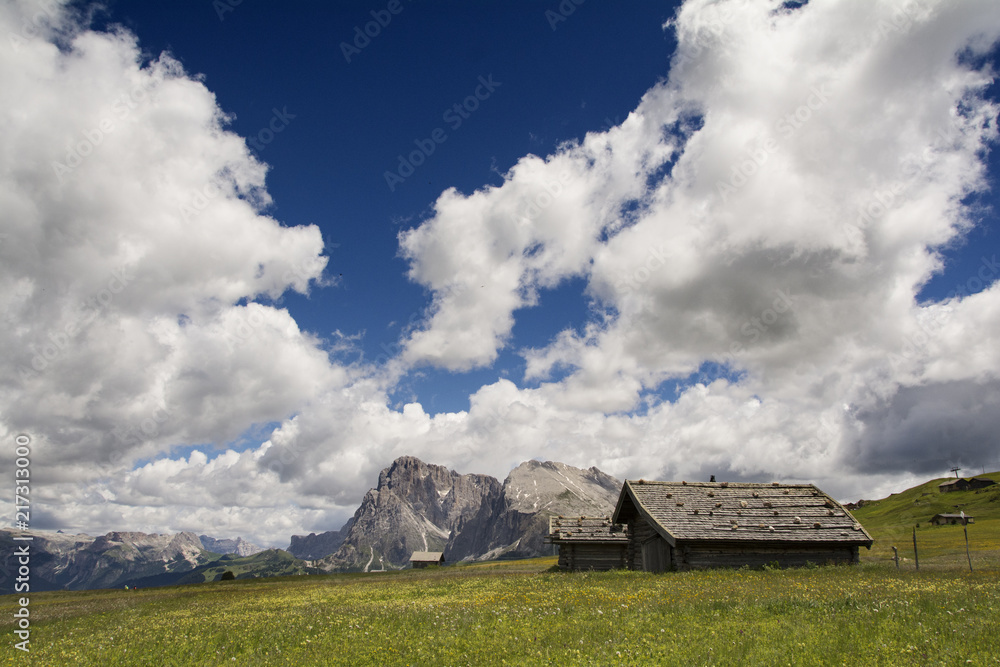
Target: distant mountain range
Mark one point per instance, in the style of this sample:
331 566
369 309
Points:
79 562
415 506
239 546
423 507
314 547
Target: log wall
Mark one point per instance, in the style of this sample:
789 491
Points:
599 557
694 556
647 550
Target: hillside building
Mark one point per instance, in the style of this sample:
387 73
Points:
589 543
421 559
965 484
683 526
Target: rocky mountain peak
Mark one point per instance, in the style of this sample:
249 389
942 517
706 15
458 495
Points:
418 506
415 507
81 561
237 546
538 486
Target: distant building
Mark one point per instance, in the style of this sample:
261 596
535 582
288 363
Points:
684 526
421 559
588 543
965 484
944 519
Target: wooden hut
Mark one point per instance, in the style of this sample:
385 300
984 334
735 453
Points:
681 526
965 484
957 484
953 519
588 543
421 559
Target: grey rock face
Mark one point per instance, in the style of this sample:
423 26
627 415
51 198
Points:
415 507
422 507
80 562
239 546
532 492
314 547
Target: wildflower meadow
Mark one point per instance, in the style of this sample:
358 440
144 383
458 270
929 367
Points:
523 613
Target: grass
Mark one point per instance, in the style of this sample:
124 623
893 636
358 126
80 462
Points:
273 562
891 522
522 613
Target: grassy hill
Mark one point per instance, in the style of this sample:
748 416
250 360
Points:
891 522
269 563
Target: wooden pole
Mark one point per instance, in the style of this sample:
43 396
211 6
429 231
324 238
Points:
895 556
916 558
965 529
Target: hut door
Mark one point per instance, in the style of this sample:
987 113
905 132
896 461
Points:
656 555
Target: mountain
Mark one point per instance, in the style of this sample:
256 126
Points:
517 524
79 562
239 546
82 562
415 507
314 547
269 563
424 507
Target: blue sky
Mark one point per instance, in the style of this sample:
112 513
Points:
356 110
557 80
750 239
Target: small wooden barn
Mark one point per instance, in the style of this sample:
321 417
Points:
421 559
588 543
965 484
953 519
682 526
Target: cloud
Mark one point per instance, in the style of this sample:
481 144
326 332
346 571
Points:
772 208
931 428
487 254
139 269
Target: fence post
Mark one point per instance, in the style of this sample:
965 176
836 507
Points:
895 556
965 529
916 558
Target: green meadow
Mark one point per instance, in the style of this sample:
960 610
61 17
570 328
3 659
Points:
524 613
891 522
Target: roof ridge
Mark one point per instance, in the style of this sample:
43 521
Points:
805 485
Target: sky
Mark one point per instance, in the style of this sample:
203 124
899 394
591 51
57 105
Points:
252 252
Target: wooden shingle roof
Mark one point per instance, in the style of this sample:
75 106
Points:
968 481
427 557
739 512
593 530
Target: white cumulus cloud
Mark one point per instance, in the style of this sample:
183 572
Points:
752 240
